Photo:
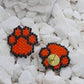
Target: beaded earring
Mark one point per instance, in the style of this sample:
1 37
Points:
22 41
54 56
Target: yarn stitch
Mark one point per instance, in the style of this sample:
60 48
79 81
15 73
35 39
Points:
22 41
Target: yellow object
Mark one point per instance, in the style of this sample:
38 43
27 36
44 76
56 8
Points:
53 60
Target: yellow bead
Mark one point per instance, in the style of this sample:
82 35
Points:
53 60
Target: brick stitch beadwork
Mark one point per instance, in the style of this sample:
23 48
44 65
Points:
54 56
22 41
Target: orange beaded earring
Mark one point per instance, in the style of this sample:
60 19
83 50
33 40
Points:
54 56
22 41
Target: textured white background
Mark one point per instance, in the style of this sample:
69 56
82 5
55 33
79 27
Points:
60 21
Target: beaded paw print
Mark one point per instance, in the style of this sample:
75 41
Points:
22 41
54 56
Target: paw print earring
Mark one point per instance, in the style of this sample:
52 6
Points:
22 41
54 56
